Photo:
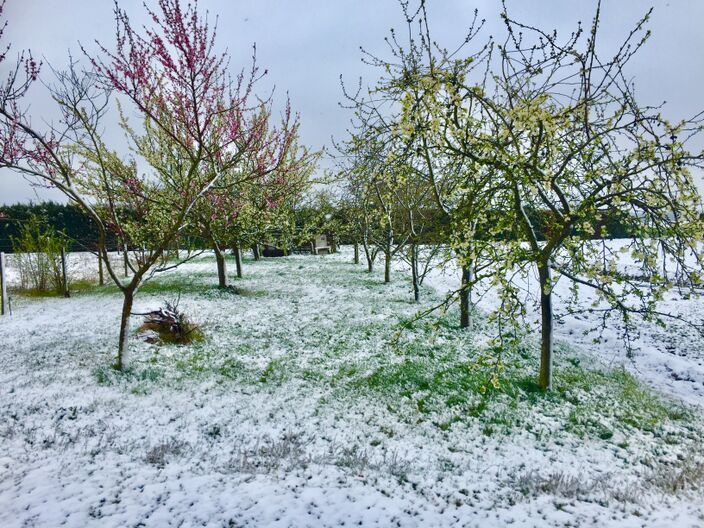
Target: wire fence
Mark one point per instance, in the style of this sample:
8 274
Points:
81 266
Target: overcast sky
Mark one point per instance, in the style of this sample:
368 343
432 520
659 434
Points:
307 44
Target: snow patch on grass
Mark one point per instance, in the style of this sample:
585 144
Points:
311 403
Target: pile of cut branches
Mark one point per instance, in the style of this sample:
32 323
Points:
169 325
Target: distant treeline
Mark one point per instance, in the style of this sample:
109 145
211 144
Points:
78 228
82 233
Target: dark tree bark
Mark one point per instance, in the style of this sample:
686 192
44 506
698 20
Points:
238 259
369 255
356 253
64 277
255 252
465 295
222 267
546 344
370 263
127 302
414 272
387 266
101 273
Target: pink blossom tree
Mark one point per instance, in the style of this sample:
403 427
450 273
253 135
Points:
249 196
227 203
194 117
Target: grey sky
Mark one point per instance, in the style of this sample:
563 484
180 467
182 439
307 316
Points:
307 44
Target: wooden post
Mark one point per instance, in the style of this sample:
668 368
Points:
64 279
5 310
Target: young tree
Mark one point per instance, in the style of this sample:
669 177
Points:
375 171
241 201
416 107
529 149
422 222
193 116
361 215
571 146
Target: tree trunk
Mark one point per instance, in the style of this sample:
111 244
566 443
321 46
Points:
333 243
545 379
125 258
101 273
255 252
238 260
414 272
465 295
387 266
64 276
124 327
222 267
356 253
368 256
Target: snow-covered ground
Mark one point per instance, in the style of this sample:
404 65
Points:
297 411
670 359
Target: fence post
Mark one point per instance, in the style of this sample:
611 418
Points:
5 310
64 280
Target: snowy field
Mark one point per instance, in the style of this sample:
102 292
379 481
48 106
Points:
312 403
670 359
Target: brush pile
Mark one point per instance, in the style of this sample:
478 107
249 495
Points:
169 325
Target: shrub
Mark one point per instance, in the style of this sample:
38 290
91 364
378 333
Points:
37 252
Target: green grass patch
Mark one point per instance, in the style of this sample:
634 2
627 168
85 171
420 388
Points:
275 371
602 401
184 285
355 340
75 287
33 293
587 402
203 362
110 375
